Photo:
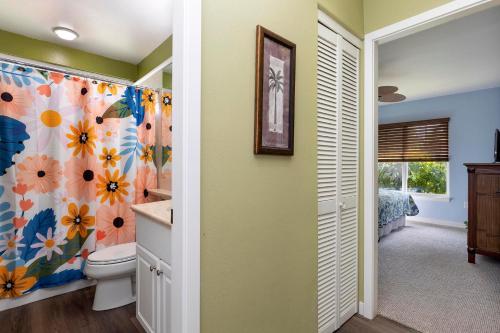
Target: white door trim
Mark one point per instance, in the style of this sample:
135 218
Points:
394 31
186 129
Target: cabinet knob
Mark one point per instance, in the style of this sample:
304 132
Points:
158 272
152 268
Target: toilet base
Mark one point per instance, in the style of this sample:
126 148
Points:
113 293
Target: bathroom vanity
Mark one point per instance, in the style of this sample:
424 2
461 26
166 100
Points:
154 273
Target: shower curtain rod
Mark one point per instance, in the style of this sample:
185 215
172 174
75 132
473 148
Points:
67 70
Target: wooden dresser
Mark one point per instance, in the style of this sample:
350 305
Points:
483 234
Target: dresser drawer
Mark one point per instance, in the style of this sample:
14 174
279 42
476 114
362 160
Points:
488 184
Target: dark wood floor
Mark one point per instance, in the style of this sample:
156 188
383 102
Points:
72 313
69 313
358 324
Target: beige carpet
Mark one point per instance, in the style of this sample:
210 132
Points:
426 283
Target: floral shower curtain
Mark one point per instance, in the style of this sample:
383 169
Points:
75 154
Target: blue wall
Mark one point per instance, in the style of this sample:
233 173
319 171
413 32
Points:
474 116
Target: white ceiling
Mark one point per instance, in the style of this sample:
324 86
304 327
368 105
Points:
125 30
458 56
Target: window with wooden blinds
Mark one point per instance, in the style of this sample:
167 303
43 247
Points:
415 141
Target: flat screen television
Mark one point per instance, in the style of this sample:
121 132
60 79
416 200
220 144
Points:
497 146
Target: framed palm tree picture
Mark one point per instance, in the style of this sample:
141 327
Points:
274 94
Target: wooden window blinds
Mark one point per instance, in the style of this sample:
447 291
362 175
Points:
415 141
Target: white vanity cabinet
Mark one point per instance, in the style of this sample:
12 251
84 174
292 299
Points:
154 274
153 292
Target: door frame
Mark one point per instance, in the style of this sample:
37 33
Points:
186 138
425 20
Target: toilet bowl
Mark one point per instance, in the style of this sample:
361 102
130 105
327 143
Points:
114 270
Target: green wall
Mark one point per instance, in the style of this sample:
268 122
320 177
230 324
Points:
167 80
259 213
258 242
159 55
349 13
25 47
380 13
29 48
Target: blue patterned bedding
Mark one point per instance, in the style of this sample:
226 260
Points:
394 204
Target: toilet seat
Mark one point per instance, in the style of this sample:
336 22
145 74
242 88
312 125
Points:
113 255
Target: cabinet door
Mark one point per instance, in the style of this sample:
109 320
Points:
146 286
164 274
488 224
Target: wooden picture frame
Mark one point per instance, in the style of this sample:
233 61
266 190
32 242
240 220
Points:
274 94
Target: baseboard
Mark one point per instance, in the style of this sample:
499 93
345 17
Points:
361 309
38 295
426 220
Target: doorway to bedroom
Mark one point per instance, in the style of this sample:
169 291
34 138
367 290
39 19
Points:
439 102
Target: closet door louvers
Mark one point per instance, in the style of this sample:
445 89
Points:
327 155
337 157
348 181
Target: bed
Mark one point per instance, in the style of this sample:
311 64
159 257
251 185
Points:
393 207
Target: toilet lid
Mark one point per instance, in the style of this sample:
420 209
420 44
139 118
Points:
113 254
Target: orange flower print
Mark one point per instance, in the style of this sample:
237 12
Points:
40 173
14 101
77 220
19 222
81 177
103 86
109 157
166 104
56 77
117 222
14 284
166 131
105 128
148 100
79 93
145 181
25 204
44 90
83 138
146 131
112 187
20 189
147 154
85 254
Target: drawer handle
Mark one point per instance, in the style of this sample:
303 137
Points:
152 268
158 273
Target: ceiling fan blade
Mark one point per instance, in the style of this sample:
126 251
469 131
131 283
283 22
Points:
392 98
386 90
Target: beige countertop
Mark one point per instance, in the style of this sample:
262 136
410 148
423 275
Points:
158 211
161 193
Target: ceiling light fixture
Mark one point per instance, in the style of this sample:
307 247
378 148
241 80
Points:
65 33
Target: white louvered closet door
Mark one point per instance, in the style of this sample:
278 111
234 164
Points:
327 155
348 181
337 139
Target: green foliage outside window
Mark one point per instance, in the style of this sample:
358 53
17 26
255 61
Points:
390 175
427 177
423 177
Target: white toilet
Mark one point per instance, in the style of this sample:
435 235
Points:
114 270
